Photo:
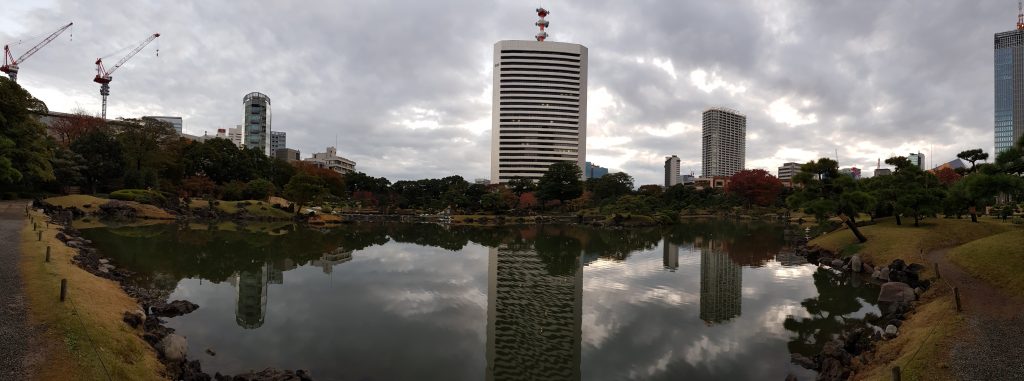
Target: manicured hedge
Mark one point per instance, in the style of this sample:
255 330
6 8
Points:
144 196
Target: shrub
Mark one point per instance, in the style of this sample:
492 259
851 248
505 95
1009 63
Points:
233 191
140 195
259 189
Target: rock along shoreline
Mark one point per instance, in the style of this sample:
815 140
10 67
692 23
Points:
154 305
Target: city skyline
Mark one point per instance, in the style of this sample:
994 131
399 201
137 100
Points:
653 69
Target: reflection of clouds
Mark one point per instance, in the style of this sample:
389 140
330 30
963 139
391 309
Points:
771 320
705 351
672 297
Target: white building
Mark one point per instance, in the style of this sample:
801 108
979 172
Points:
539 111
331 160
788 170
175 121
671 170
235 135
724 134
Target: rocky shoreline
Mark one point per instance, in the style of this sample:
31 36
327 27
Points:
900 289
170 347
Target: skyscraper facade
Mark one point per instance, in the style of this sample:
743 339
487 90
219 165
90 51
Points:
1009 87
724 136
671 170
256 122
594 171
539 111
917 159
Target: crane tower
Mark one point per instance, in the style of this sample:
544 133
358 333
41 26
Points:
11 64
103 75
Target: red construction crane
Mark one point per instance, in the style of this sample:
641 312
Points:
103 75
11 65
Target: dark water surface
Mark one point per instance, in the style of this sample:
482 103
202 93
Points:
699 301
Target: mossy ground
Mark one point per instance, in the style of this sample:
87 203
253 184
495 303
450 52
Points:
90 204
997 259
85 336
256 208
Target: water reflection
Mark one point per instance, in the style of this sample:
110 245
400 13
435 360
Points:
537 302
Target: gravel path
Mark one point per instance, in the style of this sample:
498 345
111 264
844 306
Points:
14 333
992 345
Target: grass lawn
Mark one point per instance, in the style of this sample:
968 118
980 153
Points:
997 259
255 208
87 328
91 204
888 241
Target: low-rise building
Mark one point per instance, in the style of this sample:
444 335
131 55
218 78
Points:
332 161
882 172
593 171
788 170
287 154
174 121
853 172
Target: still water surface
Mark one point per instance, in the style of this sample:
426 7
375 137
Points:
699 301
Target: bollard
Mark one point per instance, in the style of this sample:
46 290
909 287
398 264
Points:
39 236
63 289
47 254
35 226
895 373
956 294
937 275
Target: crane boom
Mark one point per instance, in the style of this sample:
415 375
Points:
11 65
103 75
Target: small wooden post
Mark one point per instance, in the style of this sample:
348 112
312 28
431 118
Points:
39 236
47 254
937 275
895 373
956 294
63 289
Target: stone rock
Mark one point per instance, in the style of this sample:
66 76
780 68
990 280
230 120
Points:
837 264
175 308
918 291
891 331
270 374
104 261
173 347
877 274
135 319
884 274
896 292
855 263
868 269
803 361
896 322
835 362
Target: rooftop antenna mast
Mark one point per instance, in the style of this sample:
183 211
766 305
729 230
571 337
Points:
1020 15
542 23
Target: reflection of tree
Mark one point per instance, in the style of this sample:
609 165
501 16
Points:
535 308
749 244
836 299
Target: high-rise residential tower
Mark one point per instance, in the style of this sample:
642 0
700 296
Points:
671 170
539 111
256 122
1009 86
278 140
724 134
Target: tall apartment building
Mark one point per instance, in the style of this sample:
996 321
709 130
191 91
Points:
788 170
724 136
1009 86
175 122
671 170
257 122
332 161
539 112
917 159
278 140
721 284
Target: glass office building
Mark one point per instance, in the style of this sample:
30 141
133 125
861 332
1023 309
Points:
257 122
1009 85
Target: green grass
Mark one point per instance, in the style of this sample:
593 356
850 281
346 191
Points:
888 241
997 259
255 208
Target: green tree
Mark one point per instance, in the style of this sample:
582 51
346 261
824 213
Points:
259 189
972 156
103 158
561 182
25 150
303 189
824 192
519 185
611 186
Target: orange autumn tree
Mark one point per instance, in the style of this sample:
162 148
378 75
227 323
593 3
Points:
755 186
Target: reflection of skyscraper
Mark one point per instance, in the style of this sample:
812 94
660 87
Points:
534 318
671 258
251 308
721 285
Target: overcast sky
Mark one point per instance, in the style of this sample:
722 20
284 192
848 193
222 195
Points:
404 87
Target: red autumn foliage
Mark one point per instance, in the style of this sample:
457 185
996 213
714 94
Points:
947 176
528 200
71 127
196 186
755 186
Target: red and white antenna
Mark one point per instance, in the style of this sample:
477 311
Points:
1020 15
542 23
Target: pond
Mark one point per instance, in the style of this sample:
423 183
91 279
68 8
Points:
712 300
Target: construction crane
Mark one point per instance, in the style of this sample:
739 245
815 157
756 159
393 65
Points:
103 75
11 65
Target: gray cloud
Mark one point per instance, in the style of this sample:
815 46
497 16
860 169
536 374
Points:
404 87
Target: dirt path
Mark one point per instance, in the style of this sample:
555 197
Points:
14 332
992 344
